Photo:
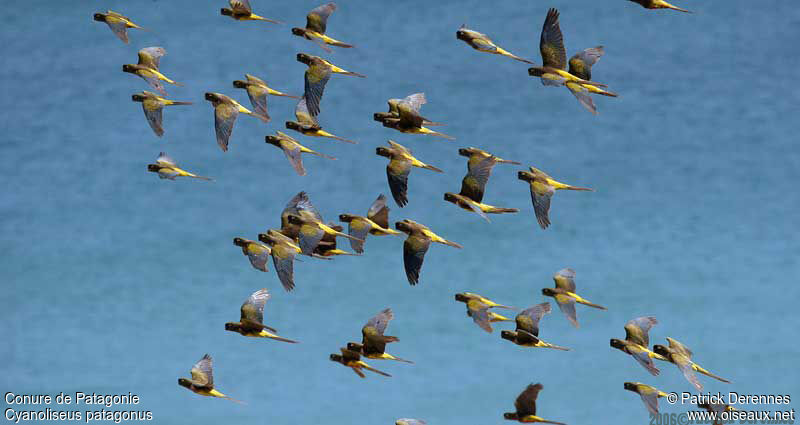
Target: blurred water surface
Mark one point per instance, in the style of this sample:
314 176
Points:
116 281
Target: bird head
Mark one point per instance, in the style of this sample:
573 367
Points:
153 168
660 349
239 242
548 292
525 175
232 326
509 335
337 358
184 382
510 416
618 344
293 219
298 31
273 140
466 151
450 197
461 34
389 123
346 218
138 97
383 151
212 97
304 58
382 116
354 346
267 239
129 68
226 12
403 226
239 84
462 297
291 125
630 386
535 71
99 17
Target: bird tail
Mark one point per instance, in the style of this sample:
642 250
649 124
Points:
430 132
585 189
591 304
345 235
666 5
555 347
358 372
513 56
285 95
195 176
261 18
215 393
321 155
597 90
280 338
332 136
432 168
552 422
506 161
388 339
497 210
391 357
709 374
372 369
180 103
450 243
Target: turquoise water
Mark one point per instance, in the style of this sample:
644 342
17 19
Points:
116 281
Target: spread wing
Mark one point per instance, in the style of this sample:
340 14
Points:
565 279
397 172
258 257
649 398
567 306
283 259
120 29
165 160
317 19
474 183
685 365
582 94
526 401
636 330
154 117
381 320
295 158
202 375
241 7
541 203
679 347
310 236
580 65
480 314
414 249
379 212
317 75
303 115
358 229
258 98
551 44
224 117
150 56
528 319
253 307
